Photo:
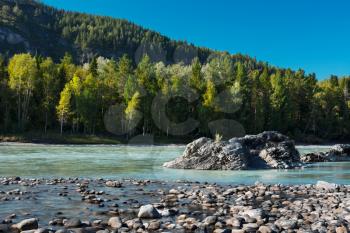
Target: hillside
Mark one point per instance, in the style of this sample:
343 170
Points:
135 94
29 26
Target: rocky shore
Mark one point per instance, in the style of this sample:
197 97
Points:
99 205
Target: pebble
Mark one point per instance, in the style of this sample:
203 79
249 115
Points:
115 222
72 223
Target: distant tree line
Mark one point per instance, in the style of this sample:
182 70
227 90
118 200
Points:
107 95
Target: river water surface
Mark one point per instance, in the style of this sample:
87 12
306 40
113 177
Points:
145 162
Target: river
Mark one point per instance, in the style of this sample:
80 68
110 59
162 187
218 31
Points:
145 162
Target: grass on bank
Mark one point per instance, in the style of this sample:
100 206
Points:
82 139
56 138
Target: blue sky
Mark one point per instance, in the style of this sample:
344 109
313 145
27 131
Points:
313 35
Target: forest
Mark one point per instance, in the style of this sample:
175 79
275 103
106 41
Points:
115 96
74 73
30 26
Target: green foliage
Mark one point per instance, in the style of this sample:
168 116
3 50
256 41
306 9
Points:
132 113
209 95
22 71
64 105
196 80
124 71
5 97
60 93
132 107
146 76
76 97
85 36
49 86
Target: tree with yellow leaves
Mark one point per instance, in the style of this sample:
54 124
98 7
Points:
22 71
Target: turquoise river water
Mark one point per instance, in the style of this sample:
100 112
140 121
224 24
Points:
145 162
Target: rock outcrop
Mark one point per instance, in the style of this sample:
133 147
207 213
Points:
337 153
268 150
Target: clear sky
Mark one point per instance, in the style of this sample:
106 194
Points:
313 35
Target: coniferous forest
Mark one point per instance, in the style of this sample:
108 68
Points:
111 76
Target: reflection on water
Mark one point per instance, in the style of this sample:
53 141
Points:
28 160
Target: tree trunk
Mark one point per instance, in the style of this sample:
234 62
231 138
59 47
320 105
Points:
46 122
61 124
19 111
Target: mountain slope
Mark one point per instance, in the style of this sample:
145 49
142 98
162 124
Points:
29 26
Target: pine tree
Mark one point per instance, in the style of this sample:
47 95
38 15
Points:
124 71
278 101
5 97
93 67
50 87
245 87
147 83
196 80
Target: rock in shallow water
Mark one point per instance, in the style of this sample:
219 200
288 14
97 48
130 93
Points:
114 184
27 224
337 153
314 157
148 211
72 223
263 151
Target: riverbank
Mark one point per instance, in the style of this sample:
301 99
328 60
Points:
84 139
52 137
98 205
56 138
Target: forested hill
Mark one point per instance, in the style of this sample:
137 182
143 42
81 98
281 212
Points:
29 26
76 73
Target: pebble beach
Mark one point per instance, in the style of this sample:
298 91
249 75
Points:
100 205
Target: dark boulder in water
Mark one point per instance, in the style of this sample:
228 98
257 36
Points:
337 153
314 157
268 150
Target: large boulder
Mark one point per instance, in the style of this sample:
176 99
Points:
263 151
205 154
